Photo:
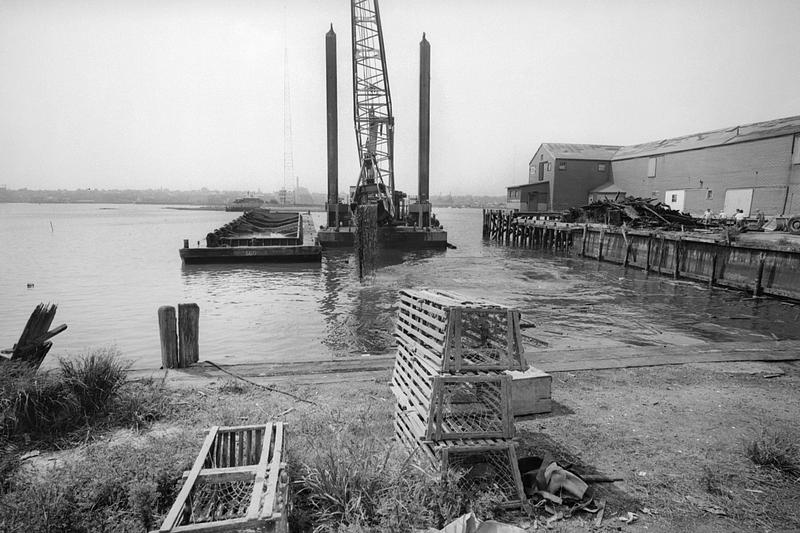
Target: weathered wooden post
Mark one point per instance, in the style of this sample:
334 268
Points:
167 327
188 338
600 248
712 277
583 242
759 276
649 247
677 259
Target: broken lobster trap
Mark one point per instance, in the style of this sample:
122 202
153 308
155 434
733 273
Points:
237 483
456 334
453 397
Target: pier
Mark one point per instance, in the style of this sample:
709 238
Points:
760 263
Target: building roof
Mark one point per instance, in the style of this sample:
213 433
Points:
735 134
587 152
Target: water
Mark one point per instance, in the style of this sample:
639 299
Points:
109 268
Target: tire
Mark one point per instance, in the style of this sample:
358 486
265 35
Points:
793 225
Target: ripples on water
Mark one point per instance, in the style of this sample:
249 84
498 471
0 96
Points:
109 268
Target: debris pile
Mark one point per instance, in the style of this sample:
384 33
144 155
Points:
632 212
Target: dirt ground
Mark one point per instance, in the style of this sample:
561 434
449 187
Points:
675 435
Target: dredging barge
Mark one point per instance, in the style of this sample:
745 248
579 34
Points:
258 236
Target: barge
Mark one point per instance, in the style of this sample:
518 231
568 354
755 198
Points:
258 236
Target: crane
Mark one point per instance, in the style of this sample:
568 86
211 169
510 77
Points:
372 111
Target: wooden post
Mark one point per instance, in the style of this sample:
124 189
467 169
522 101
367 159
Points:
583 242
627 252
662 251
188 327
600 248
167 327
759 276
677 259
649 247
712 277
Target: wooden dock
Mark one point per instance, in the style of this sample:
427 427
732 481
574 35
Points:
761 264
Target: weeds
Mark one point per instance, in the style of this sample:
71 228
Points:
352 478
775 449
94 379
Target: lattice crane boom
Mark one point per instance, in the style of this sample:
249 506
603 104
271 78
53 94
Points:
372 103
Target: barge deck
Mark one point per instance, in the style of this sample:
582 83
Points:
259 236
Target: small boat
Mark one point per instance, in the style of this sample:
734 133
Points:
244 204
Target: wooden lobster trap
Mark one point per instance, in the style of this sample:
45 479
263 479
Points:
456 335
482 465
237 483
467 405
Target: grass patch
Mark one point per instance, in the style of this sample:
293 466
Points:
351 476
775 449
94 379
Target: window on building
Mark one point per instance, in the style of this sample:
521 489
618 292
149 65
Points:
709 194
674 198
601 167
549 166
541 157
541 177
796 150
562 165
651 167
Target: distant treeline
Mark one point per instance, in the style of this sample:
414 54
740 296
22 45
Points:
206 197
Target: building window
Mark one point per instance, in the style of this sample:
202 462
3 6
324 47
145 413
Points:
562 165
709 194
541 157
549 166
796 150
651 167
601 167
674 198
541 177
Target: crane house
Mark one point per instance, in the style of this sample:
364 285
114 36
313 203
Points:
749 167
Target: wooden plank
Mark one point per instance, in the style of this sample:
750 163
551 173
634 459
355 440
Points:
274 473
456 320
174 513
261 472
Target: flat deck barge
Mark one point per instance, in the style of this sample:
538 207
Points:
259 236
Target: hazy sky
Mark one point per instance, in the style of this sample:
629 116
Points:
185 94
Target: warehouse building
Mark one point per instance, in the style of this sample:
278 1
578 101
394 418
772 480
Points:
749 167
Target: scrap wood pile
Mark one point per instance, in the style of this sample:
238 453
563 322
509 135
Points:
633 212
453 407
34 343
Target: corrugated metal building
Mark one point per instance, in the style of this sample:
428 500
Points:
748 167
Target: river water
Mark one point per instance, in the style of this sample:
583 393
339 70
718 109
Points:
110 267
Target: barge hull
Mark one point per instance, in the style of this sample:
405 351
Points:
402 237
252 254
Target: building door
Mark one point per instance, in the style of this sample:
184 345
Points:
738 199
675 199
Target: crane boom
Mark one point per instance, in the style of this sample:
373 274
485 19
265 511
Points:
372 103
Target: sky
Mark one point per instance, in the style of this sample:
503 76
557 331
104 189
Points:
186 94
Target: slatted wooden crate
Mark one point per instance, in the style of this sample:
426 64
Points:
484 464
471 404
237 483
457 334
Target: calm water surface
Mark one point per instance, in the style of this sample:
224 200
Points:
109 268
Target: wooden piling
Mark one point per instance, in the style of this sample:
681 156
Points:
676 259
600 248
167 327
759 276
188 334
712 277
649 247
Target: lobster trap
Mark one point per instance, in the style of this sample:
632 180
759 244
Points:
480 465
456 334
468 405
237 483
